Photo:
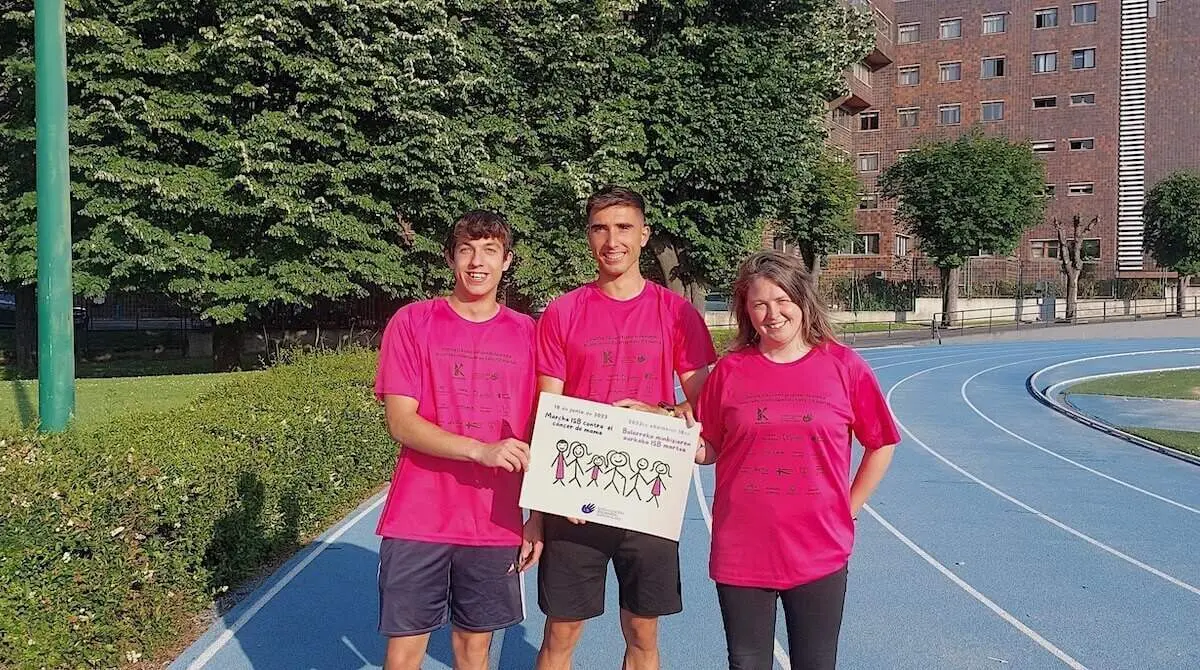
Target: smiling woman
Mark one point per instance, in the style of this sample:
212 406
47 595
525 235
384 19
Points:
783 516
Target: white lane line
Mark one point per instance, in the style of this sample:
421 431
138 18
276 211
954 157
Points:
781 656
1053 388
963 392
1016 623
1087 538
1039 373
324 544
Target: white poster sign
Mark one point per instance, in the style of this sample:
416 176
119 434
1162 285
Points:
610 465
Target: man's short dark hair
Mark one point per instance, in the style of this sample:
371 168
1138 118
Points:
477 225
612 196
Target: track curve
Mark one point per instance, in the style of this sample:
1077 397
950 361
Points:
1005 535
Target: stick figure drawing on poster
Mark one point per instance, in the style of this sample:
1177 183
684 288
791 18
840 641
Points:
657 486
598 464
578 451
616 461
560 462
638 478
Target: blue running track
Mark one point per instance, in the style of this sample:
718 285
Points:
1006 535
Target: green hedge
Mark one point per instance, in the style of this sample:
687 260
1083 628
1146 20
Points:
114 540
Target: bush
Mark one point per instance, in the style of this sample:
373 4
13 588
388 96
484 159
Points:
114 540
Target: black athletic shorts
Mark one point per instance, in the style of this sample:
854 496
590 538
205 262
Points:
573 570
425 585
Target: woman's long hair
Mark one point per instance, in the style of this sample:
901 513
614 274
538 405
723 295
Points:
789 273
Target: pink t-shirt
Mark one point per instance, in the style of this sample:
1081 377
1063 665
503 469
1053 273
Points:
607 350
474 379
782 434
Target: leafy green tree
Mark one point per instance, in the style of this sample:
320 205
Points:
1172 215
731 97
818 214
712 109
962 195
242 156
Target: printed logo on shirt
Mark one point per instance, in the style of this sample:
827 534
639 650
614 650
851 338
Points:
761 416
458 370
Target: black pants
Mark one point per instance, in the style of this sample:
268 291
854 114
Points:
813 613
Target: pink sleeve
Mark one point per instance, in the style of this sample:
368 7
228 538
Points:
400 366
694 344
708 410
551 355
873 425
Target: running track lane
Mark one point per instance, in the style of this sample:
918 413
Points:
1005 535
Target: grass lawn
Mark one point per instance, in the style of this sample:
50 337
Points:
1177 439
101 398
1183 384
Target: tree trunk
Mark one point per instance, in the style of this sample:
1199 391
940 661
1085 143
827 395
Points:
813 261
26 329
668 261
949 296
1181 293
1072 292
697 293
227 346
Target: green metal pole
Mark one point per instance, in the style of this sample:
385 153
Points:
56 335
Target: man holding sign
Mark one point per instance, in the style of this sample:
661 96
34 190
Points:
457 380
618 340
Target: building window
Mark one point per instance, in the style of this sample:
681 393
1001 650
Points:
950 115
1085 144
1045 102
908 117
901 248
901 153
992 68
1082 59
950 29
909 33
994 24
1090 250
1045 62
868 121
868 162
949 71
909 76
1044 146
1083 13
863 244
1043 248
993 111
862 73
1045 18
868 201
1048 191
1083 99
1087 188
842 117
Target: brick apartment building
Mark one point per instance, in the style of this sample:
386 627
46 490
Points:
1099 87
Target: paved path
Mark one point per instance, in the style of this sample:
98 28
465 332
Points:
1129 412
1006 535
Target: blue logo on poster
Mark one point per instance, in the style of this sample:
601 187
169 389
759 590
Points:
588 508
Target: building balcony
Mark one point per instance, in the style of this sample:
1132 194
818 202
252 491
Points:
884 51
860 95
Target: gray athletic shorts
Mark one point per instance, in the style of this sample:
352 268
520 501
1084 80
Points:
424 585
